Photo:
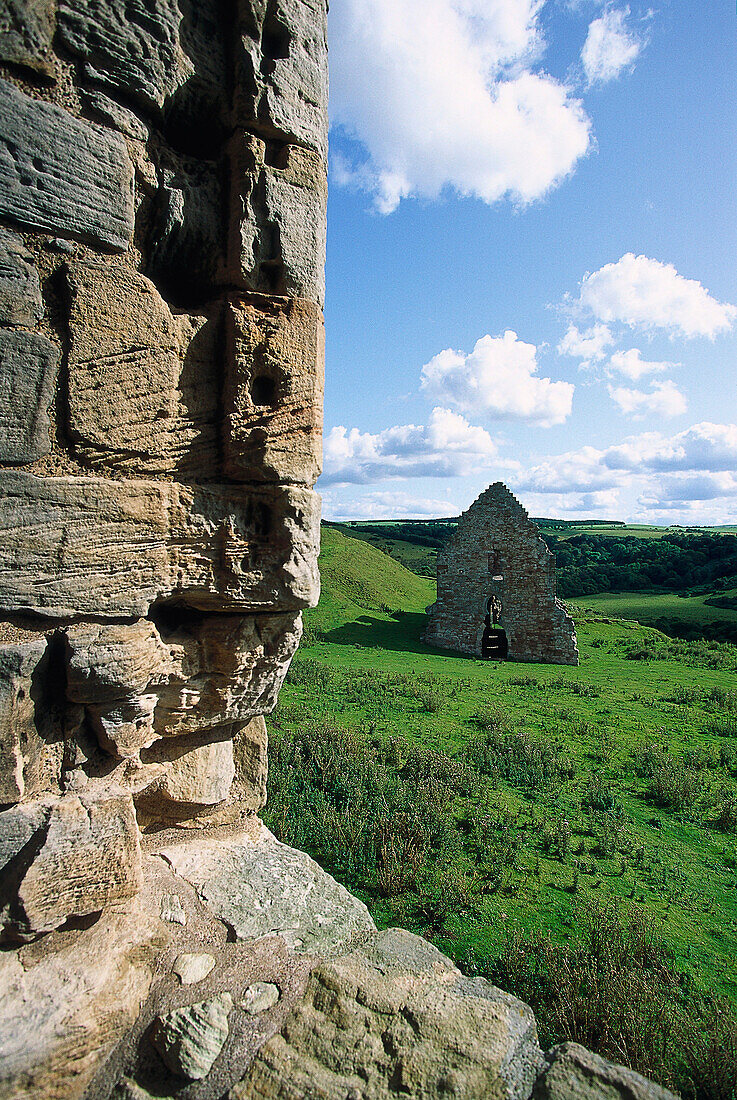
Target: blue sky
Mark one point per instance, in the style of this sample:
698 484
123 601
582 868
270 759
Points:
532 258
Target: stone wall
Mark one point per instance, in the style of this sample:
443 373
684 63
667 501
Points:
496 554
162 244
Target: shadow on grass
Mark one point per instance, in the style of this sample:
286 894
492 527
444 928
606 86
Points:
403 633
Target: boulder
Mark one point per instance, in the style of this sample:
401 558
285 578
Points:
59 174
573 1073
392 1017
89 546
202 775
260 887
274 389
66 857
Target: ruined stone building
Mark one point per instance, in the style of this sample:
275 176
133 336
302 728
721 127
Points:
496 588
162 242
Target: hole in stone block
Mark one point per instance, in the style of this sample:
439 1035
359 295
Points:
263 390
272 276
275 40
277 154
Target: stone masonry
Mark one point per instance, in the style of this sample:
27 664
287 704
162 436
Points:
497 572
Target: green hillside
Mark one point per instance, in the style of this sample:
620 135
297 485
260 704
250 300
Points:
356 577
521 815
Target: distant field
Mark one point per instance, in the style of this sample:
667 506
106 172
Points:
649 608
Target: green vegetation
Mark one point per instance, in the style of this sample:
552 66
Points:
570 832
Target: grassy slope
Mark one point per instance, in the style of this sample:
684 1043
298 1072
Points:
366 636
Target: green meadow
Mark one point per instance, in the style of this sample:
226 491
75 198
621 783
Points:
557 829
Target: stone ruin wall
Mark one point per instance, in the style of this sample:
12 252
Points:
497 551
162 245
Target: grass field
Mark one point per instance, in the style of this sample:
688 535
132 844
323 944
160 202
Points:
479 803
645 607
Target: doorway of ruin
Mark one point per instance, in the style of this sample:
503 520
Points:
494 646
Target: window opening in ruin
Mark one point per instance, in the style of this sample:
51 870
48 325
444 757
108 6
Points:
494 646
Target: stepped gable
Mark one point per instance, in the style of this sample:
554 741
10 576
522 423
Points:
162 245
496 588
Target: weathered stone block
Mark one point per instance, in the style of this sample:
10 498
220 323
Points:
64 857
61 175
395 1017
26 33
251 759
28 368
277 218
274 390
20 290
113 114
189 1039
574 1073
201 775
87 546
144 385
214 671
147 49
259 886
20 743
281 76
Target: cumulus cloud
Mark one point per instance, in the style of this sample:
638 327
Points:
610 46
441 94
641 292
576 471
664 399
448 446
704 446
632 365
499 378
703 486
589 346
383 504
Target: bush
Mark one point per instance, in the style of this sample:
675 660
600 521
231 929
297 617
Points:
618 992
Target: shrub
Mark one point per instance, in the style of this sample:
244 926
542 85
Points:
618 992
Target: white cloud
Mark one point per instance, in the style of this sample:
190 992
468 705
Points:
448 446
499 378
384 504
440 94
588 346
703 486
603 504
641 292
704 446
664 399
632 365
574 472
610 46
